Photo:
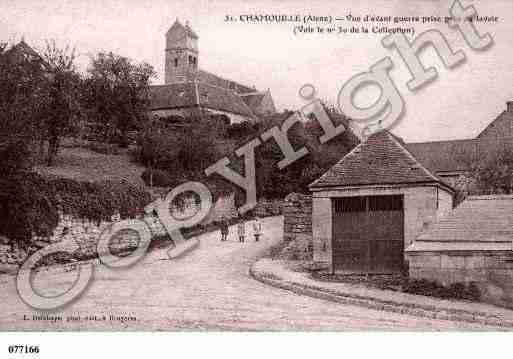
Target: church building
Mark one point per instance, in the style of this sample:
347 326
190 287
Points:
190 91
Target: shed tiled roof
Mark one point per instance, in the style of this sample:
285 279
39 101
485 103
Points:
381 159
477 219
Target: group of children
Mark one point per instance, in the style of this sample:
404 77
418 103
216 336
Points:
241 229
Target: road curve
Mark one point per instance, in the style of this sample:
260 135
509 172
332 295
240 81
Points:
208 289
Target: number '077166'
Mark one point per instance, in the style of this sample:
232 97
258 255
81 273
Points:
23 349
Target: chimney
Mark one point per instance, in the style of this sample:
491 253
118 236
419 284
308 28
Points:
509 106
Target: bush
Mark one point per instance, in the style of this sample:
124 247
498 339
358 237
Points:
15 154
103 148
157 178
30 203
28 206
186 151
242 129
453 291
183 153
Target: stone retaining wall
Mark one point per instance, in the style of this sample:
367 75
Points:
491 271
83 232
87 233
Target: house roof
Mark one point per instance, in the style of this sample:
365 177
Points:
381 159
445 156
194 94
457 155
501 127
479 219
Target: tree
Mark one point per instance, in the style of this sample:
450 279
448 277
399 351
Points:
117 95
493 174
62 84
22 103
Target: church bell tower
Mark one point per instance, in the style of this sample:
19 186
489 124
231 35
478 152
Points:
181 53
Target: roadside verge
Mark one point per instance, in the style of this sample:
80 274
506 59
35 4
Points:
277 273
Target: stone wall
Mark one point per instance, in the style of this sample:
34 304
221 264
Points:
491 271
297 227
297 216
83 232
87 233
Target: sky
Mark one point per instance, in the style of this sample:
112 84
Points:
458 104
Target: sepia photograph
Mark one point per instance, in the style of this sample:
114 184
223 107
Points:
264 166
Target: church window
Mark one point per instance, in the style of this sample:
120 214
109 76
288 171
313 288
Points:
176 62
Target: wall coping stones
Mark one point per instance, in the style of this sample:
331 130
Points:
470 247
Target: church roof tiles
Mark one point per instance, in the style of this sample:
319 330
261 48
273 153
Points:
198 94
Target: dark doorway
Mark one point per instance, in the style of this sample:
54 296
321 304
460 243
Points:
368 233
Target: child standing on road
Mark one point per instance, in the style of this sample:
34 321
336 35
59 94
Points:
224 230
257 228
241 230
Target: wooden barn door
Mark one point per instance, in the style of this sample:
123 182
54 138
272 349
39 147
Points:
368 233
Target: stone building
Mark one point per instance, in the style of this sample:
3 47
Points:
373 203
473 243
370 208
191 91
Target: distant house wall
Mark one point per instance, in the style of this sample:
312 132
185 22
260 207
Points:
423 205
234 118
185 112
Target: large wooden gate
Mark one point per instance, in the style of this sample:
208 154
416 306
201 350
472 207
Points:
368 233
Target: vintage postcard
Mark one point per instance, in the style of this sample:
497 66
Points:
255 166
